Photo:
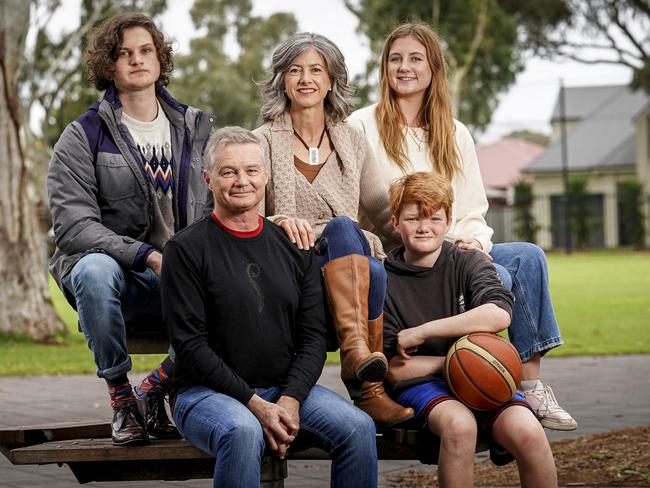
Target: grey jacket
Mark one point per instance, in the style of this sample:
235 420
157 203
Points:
99 196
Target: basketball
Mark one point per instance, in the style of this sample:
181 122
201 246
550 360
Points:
483 370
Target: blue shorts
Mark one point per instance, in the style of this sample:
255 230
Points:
425 396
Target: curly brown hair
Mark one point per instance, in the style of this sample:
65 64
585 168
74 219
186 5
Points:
104 46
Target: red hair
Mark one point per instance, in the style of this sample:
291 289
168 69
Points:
430 192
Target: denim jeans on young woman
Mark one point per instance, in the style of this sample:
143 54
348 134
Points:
106 296
342 237
222 426
523 269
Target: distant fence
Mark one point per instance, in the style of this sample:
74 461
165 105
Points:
604 214
501 219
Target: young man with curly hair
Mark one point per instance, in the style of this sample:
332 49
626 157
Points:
124 177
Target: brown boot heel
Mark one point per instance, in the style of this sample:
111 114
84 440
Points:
375 369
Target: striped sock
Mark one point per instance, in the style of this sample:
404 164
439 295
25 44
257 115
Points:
157 381
121 396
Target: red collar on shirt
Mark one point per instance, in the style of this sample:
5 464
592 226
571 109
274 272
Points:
237 233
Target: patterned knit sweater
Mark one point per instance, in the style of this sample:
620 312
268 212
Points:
349 185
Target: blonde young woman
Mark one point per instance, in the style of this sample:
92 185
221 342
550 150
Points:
411 129
321 175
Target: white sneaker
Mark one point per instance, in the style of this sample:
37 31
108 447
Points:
545 407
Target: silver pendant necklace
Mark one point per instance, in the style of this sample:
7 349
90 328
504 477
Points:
313 151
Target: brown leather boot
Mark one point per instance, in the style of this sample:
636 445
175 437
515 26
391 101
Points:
347 281
383 410
374 400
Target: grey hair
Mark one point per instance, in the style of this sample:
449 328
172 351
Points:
225 137
337 102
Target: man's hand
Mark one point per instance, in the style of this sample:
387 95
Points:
292 407
408 341
299 232
276 422
154 261
470 244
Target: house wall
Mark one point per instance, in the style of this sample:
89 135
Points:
547 185
643 163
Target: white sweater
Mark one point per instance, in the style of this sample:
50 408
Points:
470 201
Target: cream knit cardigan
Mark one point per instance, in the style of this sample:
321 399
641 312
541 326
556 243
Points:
349 184
470 202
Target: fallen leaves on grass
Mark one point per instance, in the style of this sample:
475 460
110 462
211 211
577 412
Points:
614 458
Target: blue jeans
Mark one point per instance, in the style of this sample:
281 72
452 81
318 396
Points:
523 269
342 237
106 296
222 426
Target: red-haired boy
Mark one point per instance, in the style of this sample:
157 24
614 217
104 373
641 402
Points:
436 293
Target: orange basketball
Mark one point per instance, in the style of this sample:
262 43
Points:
483 370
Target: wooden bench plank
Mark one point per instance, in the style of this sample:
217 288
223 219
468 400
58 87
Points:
86 450
172 460
20 436
102 449
97 459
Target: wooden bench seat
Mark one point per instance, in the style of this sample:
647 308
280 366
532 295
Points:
97 459
88 451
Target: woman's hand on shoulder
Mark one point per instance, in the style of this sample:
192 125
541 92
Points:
470 244
298 231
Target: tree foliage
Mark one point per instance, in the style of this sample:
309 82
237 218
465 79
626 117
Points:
530 136
582 221
485 43
610 31
211 79
632 224
525 225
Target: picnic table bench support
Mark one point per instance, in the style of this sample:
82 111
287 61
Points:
273 473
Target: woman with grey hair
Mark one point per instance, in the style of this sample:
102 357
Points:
322 174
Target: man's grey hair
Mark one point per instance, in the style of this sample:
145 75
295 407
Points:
337 102
225 137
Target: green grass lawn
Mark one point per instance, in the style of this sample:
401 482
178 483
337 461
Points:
602 301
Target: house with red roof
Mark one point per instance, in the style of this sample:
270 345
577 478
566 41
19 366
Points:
501 163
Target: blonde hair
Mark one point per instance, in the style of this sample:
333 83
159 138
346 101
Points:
435 114
430 192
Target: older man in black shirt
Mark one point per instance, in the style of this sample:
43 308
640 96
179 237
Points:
245 314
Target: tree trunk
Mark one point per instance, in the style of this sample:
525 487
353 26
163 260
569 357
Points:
25 305
461 65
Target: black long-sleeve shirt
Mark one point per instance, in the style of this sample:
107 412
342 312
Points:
243 312
458 281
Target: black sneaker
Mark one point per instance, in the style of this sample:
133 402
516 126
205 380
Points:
127 427
155 416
